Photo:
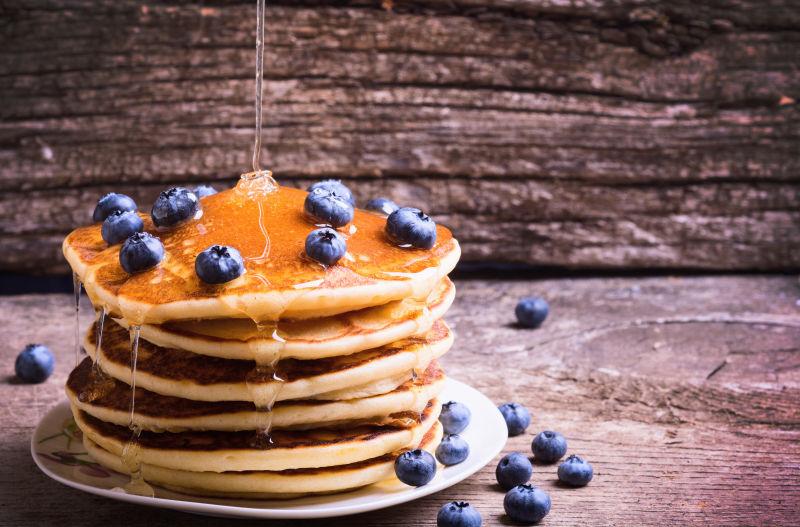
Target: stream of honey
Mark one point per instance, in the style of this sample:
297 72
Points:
76 291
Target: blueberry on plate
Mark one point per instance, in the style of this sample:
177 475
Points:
454 417
174 206
201 191
410 226
140 252
119 225
452 450
532 311
415 467
548 446
526 504
458 514
336 186
575 471
218 264
325 245
326 206
517 417
110 203
514 469
34 364
383 206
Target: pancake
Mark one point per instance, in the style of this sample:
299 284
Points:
213 451
268 227
178 373
262 484
163 413
341 334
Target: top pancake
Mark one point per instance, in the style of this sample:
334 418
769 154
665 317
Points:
269 228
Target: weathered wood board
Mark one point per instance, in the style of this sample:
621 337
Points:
585 134
623 367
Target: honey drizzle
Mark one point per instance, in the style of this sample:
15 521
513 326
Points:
132 452
99 383
265 382
76 290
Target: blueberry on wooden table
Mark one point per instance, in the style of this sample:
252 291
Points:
526 504
514 469
458 514
548 446
575 471
34 364
532 311
517 417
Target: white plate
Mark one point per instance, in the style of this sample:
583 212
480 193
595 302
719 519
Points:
58 451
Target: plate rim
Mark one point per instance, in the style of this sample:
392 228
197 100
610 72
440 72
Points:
192 505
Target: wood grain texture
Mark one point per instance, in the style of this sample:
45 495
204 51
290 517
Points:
586 134
621 367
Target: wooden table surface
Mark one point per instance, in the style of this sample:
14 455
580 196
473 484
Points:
684 393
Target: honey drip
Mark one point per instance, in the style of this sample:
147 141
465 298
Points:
131 453
76 289
99 383
265 382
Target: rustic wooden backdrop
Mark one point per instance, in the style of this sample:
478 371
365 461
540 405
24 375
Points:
591 134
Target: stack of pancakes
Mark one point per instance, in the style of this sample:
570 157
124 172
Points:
292 379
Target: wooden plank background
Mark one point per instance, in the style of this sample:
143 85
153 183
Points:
684 394
594 134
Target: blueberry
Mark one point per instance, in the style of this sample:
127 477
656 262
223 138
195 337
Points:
410 226
111 202
415 467
455 417
548 446
575 471
517 417
140 252
325 245
532 311
119 225
201 191
336 186
458 514
384 206
514 469
218 264
326 206
526 504
174 206
452 450
34 364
